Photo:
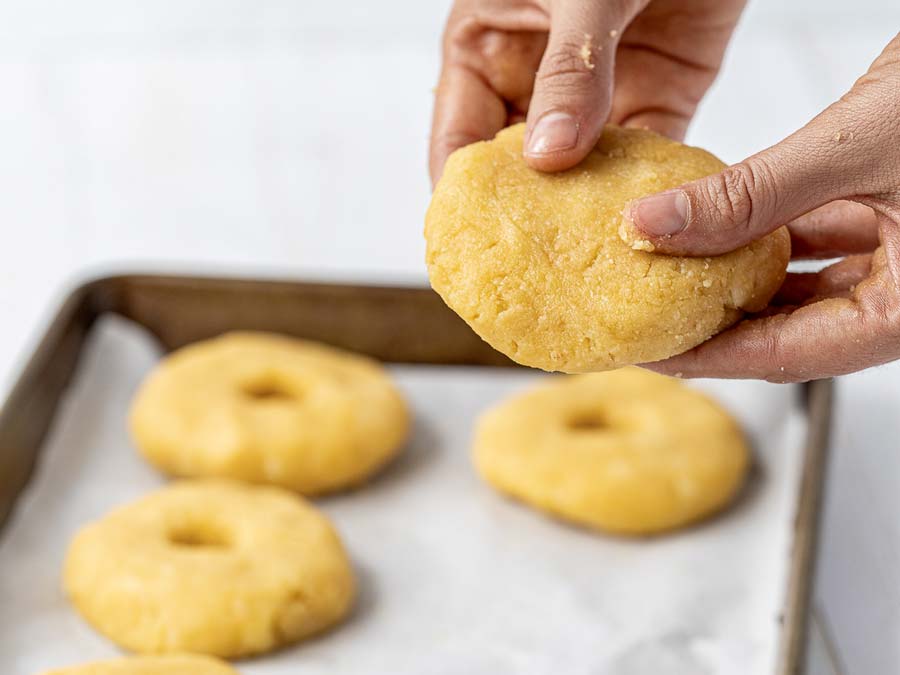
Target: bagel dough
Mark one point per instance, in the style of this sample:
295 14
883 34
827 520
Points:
627 451
151 665
535 263
265 408
210 567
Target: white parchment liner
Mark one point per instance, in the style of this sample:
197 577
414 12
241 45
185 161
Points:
454 578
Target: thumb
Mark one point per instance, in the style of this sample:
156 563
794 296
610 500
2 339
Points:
748 200
573 86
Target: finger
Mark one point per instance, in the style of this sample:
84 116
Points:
667 123
831 337
573 88
835 281
824 339
665 100
793 347
836 229
833 157
668 57
466 110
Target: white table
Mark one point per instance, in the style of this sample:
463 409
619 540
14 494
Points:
289 138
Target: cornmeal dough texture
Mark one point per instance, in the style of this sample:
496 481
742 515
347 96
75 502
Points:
535 262
265 408
210 567
151 665
626 451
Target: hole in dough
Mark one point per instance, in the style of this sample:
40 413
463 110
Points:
197 536
267 390
592 420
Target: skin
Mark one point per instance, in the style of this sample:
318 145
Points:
835 182
505 61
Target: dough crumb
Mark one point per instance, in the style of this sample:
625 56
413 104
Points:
679 374
586 52
842 136
613 33
636 243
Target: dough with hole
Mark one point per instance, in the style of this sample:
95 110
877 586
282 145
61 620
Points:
535 262
270 409
210 567
627 451
151 665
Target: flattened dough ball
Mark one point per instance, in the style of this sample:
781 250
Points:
151 665
265 408
627 451
535 263
210 567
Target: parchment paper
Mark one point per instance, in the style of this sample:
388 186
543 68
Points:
454 579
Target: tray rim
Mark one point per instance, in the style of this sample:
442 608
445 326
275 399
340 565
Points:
88 300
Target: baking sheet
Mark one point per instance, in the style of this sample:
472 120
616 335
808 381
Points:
453 577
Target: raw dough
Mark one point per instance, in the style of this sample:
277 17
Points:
210 567
151 665
265 408
535 263
627 451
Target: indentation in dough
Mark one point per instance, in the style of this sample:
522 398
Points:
198 535
267 389
590 420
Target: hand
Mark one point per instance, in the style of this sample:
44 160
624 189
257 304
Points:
844 318
555 61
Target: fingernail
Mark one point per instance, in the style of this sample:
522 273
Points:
661 215
555 131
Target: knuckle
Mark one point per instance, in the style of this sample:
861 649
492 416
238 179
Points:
882 307
507 60
567 67
730 196
461 32
736 195
783 363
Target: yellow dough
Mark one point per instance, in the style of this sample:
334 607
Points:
536 265
265 408
151 665
626 451
211 567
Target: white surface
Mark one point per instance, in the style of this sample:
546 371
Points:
453 578
289 137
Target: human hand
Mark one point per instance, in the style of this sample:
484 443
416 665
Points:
843 318
569 66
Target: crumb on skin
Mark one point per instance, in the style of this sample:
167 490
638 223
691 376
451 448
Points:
586 52
613 33
626 234
841 136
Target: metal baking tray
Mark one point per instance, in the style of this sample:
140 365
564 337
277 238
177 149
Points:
392 324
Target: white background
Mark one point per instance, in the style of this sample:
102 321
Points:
289 138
